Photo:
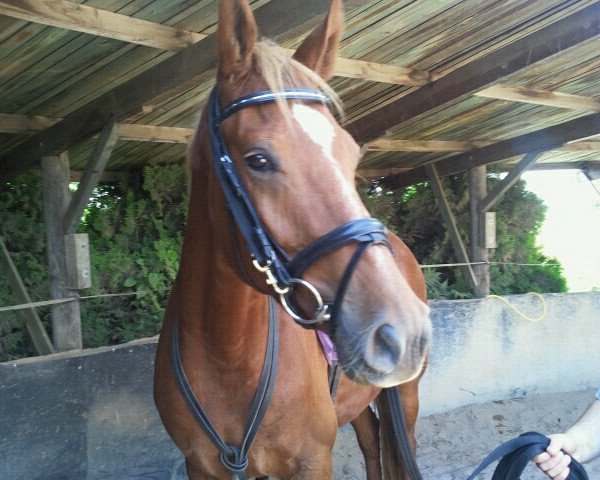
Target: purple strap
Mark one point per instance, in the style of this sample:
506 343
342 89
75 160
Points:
328 348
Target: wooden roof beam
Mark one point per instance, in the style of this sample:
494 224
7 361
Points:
537 96
534 142
103 23
124 101
513 176
81 18
91 175
579 27
10 123
391 145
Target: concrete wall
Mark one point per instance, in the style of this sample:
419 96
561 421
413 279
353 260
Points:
90 415
485 351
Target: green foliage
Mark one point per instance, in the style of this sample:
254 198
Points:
22 228
519 216
135 236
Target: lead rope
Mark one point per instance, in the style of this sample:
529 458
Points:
399 427
233 457
515 454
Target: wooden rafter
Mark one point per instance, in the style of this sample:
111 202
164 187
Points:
390 145
185 67
81 18
534 142
91 175
95 21
540 45
127 131
541 97
513 176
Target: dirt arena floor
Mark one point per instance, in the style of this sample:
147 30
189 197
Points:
452 444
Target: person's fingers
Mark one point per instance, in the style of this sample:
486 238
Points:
552 462
557 443
557 470
563 475
542 457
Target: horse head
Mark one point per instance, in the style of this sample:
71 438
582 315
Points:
297 166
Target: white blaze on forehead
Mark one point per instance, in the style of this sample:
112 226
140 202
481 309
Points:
321 131
317 126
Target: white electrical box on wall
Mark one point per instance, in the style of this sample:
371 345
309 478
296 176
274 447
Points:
489 230
77 253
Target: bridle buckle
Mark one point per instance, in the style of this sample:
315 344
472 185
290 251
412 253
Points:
271 280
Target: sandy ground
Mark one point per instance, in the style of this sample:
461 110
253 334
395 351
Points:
452 444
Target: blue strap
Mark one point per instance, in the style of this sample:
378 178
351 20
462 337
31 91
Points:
515 454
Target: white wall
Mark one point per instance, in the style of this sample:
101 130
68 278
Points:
484 351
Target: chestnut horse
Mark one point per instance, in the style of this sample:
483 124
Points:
272 171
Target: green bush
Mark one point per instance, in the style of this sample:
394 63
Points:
135 230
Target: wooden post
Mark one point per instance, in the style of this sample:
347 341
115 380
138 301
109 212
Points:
479 253
66 320
457 243
34 325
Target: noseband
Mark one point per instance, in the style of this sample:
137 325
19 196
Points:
282 273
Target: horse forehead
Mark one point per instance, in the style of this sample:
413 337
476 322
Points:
319 128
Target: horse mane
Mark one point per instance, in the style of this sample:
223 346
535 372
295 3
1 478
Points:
279 70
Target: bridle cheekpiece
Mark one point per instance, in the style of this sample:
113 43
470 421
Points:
282 273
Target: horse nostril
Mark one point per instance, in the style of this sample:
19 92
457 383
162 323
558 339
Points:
386 349
388 340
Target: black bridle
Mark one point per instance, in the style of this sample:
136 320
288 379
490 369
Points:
282 273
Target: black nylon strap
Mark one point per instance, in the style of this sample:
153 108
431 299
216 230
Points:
235 458
362 230
515 454
399 426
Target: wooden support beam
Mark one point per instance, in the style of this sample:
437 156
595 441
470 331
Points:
379 72
81 18
93 170
66 319
389 145
540 45
582 146
33 323
479 251
155 133
541 97
534 142
11 123
185 67
501 187
457 243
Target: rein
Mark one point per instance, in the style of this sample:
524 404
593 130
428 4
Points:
515 454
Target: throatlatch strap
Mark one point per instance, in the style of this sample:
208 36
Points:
515 454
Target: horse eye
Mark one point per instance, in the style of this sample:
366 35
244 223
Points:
259 162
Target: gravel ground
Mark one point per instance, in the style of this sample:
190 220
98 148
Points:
452 444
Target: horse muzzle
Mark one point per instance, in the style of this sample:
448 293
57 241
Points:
384 354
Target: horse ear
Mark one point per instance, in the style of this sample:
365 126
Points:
237 32
319 49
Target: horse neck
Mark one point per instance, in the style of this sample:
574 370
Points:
216 309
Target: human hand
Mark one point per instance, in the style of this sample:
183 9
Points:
554 462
